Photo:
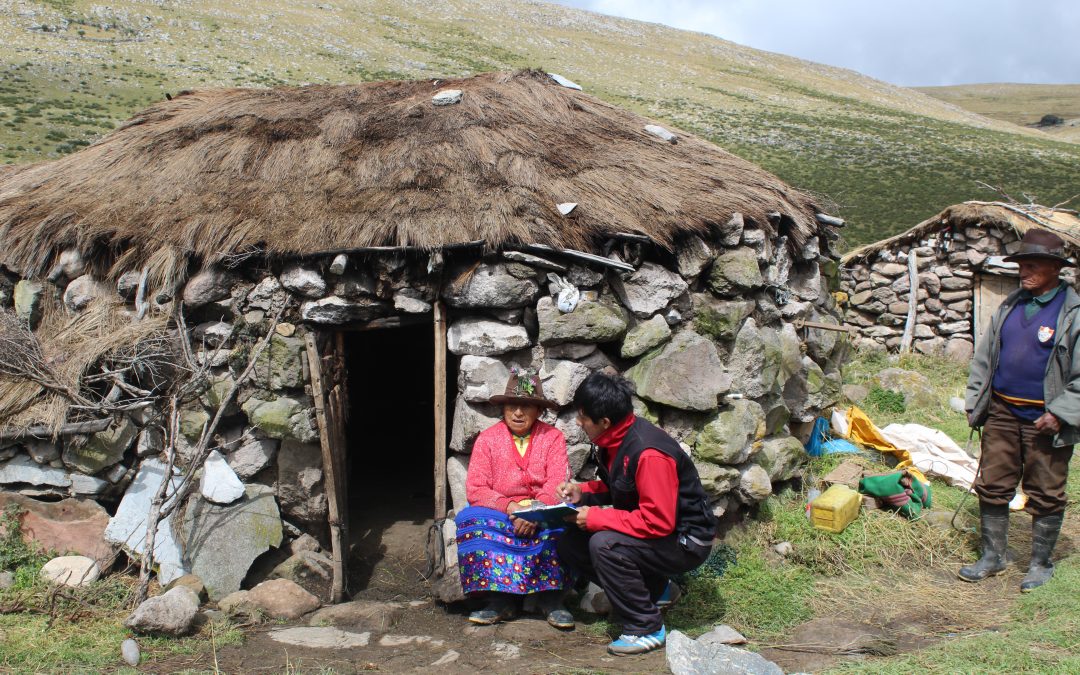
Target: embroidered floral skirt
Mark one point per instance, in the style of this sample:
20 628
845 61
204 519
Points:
492 558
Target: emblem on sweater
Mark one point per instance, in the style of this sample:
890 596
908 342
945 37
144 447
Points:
1045 333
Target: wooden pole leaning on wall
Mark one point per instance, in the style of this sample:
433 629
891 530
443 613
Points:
440 409
315 362
913 302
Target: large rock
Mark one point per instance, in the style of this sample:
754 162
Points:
209 285
171 613
128 527
253 455
219 483
709 657
309 569
649 289
283 417
754 484
755 359
43 451
717 480
685 373
720 319
84 290
561 379
693 255
104 448
303 281
457 470
320 637
28 297
218 387
916 387
300 482
589 322
728 438
782 458
481 377
469 420
734 272
489 286
279 366
23 469
69 526
335 310
484 337
71 570
267 295
644 336
377 617
221 542
959 350
282 599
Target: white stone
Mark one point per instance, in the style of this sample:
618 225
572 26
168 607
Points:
128 526
83 290
566 207
447 97
81 484
649 289
457 469
71 570
129 650
448 657
562 81
661 133
469 420
340 262
303 281
253 455
23 469
407 300
506 651
266 295
320 637
213 333
220 484
401 640
561 379
209 285
481 377
483 337
336 310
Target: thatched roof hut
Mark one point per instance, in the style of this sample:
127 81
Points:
325 285
960 273
299 171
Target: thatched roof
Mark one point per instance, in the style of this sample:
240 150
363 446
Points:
304 170
1020 218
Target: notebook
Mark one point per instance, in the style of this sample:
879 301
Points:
547 516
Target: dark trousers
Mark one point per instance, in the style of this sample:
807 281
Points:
633 572
1014 453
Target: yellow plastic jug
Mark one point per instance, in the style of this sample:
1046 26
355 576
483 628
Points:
835 508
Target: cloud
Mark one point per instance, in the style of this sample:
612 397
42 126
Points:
918 42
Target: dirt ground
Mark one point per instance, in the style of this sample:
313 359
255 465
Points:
931 605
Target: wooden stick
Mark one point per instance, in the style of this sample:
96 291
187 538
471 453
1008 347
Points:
580 255
440 410
913 301
826 219
337 585
88 427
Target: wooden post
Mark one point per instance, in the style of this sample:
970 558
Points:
913 301
337 585
440 410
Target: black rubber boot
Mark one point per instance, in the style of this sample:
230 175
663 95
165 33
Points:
994 529
1044 535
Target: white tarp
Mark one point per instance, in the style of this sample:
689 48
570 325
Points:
934 453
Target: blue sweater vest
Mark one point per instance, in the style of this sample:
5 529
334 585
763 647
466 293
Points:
1026 346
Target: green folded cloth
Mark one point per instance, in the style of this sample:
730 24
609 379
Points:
900 490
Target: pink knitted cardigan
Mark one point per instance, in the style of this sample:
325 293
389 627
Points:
499 475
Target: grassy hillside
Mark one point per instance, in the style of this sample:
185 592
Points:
1023 104
888 156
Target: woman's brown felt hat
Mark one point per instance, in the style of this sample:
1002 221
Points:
1041 244
523 387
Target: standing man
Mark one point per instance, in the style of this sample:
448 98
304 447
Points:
1025 388
658 525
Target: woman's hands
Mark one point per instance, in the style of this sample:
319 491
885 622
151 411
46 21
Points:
569 492
522 528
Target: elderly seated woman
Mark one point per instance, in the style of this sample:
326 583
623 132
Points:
515 464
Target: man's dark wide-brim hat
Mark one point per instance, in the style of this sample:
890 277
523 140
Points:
1041 244
523 387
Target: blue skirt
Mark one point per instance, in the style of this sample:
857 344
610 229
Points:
493 558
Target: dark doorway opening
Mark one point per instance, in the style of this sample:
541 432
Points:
391 454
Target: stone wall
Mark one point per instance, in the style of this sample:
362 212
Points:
707 335
948 260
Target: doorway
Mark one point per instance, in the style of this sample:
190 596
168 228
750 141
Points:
390 454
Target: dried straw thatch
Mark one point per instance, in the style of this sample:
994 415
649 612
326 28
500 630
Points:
1020 218
302 171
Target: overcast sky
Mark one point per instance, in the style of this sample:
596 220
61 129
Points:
910 43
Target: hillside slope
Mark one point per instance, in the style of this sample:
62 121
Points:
888 156
1023 104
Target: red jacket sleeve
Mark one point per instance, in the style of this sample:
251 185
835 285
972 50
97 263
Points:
658 492
555 465
481 476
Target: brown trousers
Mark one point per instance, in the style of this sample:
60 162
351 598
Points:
1013 451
